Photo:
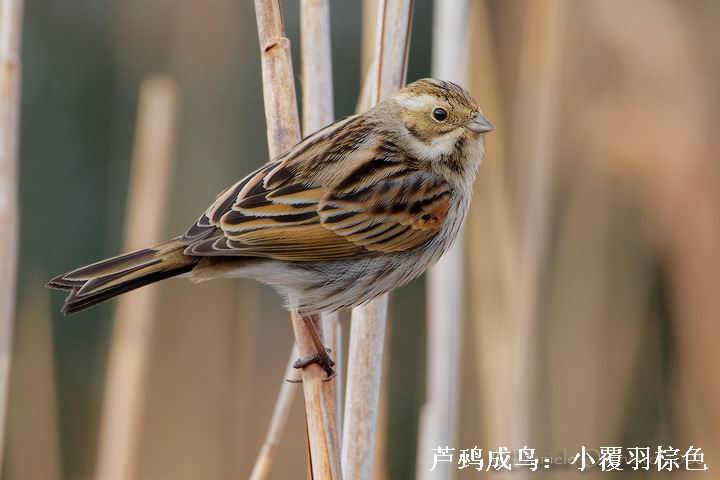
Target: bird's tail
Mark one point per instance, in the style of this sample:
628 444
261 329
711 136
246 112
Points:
109 278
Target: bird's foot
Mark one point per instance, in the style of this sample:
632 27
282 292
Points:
321 359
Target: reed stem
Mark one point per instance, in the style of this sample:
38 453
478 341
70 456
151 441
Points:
150 181
283 404
319 111
11 14
367 331
536 112
284 132
446 280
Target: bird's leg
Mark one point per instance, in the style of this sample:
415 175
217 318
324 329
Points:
321 357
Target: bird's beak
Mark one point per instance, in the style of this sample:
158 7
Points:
479 124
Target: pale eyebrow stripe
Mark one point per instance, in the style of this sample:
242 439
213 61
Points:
415 101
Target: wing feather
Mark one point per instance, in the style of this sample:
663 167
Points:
364 201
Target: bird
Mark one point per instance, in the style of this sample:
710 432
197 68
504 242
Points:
354 210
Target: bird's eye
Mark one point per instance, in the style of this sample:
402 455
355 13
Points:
440 114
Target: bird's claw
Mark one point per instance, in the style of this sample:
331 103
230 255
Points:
321 359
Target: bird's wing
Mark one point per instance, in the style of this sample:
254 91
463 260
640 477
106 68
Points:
337 205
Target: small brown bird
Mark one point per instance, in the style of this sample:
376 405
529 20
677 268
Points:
351 212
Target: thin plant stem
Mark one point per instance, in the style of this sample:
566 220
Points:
121 421
438 421
281 112
283 132
33 438
11 14
318 111
491 258
283 404
536 112
317 84
367 331
332 331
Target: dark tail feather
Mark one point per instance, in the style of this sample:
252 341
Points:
109 278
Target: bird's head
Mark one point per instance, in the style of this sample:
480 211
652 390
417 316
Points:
441 122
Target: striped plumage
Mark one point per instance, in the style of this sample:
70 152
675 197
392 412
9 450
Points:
356 209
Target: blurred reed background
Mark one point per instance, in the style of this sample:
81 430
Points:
592 252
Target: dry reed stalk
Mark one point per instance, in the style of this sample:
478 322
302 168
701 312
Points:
121 422
316 69
332 331
535 115
380 462
283 125
320 408
369 37
364 100
367 334
284 132
286 396
368 67
11 14
319 111
491 259
391 51
33 443
369 322
446 281
283 404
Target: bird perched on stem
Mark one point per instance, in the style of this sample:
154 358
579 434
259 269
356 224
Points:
354 210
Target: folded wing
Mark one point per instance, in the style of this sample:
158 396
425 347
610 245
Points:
379 204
